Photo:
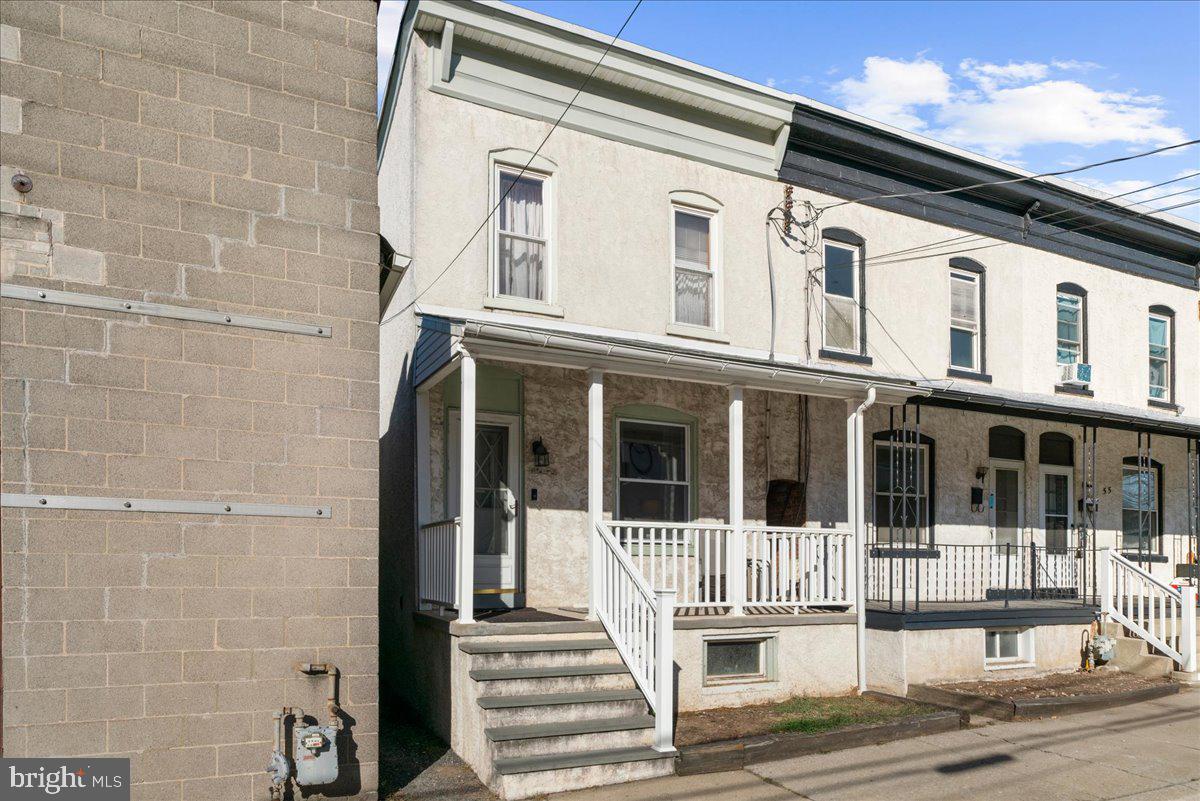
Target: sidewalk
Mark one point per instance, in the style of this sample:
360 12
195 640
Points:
1144 751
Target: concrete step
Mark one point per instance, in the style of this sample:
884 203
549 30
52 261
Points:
599 768
558 699
552 672
1132 655
561 737
542 659
506 646
586 680
580 759
630 705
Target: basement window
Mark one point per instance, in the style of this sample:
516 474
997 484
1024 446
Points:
1007 648
739 660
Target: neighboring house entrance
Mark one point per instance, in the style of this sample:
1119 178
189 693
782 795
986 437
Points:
1008 502
497 503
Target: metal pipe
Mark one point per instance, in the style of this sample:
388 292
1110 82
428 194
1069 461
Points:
860 526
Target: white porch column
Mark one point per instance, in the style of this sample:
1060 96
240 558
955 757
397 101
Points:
736 573
595 480
466 490
422 502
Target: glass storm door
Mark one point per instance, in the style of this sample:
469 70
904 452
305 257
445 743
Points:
1007 503
1056 489
496 507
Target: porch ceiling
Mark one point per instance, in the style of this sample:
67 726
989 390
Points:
492 336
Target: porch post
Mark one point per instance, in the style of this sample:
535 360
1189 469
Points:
595 496
466 490
422 502
736 573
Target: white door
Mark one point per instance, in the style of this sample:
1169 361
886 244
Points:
1007 502
496 503
1057 490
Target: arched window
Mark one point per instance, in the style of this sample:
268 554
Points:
968 319
1162 356
1141 503
844 297
1006 442
1056 449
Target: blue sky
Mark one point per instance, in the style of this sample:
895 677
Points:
1043 85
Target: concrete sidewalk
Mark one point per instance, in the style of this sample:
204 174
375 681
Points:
1145 751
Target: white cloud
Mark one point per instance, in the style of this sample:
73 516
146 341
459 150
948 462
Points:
1000 109
1158 197
890 91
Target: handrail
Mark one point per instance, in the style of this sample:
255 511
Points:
639 620
434 523
667 524
1156 612
840 532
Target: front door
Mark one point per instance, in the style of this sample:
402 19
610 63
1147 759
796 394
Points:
1057 491
496 504
1008 502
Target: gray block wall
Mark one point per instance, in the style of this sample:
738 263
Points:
215 155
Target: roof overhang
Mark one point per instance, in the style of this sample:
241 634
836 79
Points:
492 336
1083 413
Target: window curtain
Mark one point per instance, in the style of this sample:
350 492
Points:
522 234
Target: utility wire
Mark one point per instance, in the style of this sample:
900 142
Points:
494 208
1022 179
1043 218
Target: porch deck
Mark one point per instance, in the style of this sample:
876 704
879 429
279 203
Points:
980 614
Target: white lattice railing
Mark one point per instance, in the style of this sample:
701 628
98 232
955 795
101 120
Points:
689 558
1160 614
639 620
437 562
798 567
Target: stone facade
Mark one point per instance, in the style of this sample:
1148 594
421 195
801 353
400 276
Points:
218 156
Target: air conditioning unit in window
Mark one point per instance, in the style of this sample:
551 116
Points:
1076 375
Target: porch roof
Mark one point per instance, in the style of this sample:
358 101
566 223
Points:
1081 411
503 337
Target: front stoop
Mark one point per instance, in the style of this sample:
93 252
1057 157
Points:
1133 655
559 713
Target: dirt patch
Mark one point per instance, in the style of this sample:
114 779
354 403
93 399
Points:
1059 685
800 714
414 765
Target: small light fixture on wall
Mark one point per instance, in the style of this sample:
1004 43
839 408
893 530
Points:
541 456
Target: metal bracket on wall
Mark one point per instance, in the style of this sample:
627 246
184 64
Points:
39 295
30 501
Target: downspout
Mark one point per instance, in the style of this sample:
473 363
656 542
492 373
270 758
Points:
771 279
860 541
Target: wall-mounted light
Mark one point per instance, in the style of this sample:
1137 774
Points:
541 456
980 473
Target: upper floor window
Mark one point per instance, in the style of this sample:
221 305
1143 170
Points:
1071 305
966 316
695 265
1162 365
843 302
522 235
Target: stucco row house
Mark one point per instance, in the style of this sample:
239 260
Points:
744 412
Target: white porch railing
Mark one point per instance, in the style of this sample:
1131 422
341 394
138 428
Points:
689 558
1161 615
798 567
437 562
639 620
785 567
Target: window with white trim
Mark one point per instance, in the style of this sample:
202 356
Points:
654 478
840 305
1160 357
964 320
522 234
1070 328
695 266
1008 648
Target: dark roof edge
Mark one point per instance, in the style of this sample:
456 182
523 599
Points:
853 160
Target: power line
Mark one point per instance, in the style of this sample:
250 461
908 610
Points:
1041 218
1022 179
511 185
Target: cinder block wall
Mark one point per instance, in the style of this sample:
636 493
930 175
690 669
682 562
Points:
220 156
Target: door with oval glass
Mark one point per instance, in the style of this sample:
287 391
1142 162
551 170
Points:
497 507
